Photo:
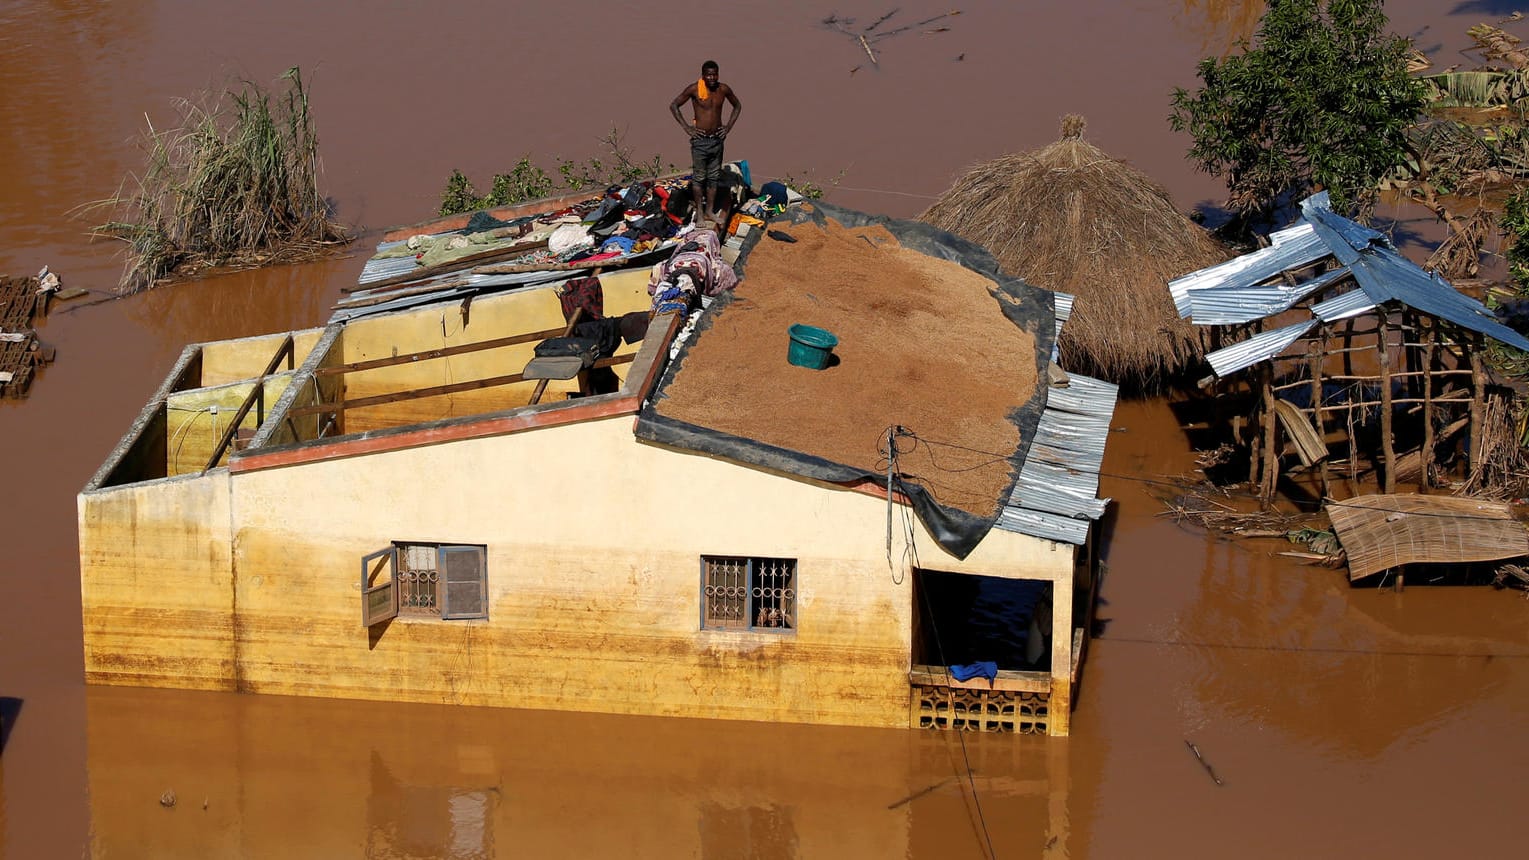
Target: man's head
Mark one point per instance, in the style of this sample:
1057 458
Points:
709 72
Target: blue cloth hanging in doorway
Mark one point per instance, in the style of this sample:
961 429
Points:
967 671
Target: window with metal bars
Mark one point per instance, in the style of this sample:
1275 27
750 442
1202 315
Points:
424 580
748 593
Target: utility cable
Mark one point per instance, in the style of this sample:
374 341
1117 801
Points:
910 555
1180 485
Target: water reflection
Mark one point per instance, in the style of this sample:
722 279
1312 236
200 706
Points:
270 776
244 303
1221 24
1353 685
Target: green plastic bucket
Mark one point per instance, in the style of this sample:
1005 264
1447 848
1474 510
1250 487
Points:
811 347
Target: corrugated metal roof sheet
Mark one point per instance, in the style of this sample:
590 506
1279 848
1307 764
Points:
381 268
1056 495
1260 347
1385 275
1241 304
1063 304
1292 248
475 284
1229 293
1351 303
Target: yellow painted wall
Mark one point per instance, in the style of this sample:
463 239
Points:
194 431
593 553
156 583
438 326
235 360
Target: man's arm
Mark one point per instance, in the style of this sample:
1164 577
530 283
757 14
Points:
685 95
737 106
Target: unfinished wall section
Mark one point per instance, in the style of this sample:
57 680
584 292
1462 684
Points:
156 584
444 326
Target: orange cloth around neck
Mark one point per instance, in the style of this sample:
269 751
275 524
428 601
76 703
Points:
700 89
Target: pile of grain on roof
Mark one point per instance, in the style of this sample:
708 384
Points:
922 343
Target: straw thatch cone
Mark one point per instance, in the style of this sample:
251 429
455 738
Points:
1071 219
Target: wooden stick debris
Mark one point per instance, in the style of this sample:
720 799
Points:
1203 763
868 52
868 35
917 794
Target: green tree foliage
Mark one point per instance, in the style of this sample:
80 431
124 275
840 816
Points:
527 181
1322 99
1515 228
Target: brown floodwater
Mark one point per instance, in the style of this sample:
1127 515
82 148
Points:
1342 722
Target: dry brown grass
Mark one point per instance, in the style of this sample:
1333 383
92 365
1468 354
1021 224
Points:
1072 219
234 184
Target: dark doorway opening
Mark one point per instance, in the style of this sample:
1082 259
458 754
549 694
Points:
967 619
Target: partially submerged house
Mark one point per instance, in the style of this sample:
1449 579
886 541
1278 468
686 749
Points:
391 507
1353 360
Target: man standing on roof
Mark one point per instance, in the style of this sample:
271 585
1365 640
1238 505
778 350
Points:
706 134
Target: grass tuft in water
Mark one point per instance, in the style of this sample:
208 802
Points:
233 185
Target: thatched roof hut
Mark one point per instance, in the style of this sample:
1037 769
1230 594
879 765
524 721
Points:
1072 219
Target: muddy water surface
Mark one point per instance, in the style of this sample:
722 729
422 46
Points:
1341 722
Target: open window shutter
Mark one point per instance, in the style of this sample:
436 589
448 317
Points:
379 599
465 580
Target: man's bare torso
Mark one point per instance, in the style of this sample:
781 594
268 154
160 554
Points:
708 111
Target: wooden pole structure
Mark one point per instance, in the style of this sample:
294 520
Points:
1314 352
1348 343
1271 457
1478 401
1387 443
1425 456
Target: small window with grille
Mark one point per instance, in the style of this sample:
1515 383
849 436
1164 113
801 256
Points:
428 580
744 593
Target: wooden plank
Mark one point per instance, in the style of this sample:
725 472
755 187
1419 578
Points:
413 394
363 301
443 352
286 350
437 390
1307 441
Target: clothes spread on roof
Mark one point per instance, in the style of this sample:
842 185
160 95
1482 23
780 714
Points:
569 238
619 244
638 215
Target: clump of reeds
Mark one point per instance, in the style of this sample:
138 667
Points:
234 184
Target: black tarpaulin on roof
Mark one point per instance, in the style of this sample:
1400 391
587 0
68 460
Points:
1027 307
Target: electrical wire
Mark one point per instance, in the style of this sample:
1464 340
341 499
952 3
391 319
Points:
1179 485
911 561
1364 652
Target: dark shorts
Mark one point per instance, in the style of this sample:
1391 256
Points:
706 159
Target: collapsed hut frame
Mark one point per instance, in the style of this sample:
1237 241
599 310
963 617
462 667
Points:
1429 369
1400 345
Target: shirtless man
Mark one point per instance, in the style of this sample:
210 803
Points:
706 134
